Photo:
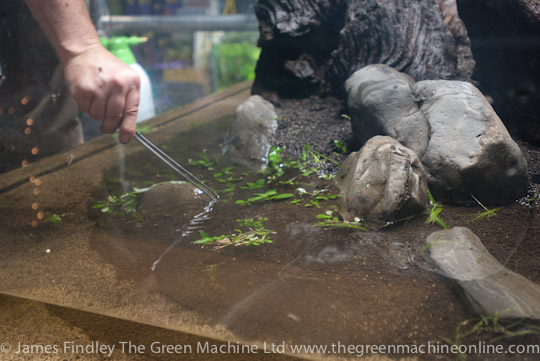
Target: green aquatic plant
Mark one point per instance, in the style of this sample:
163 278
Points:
275 164
271 195
534 197
309 162
328 220
289 182
316 196
204 161
226 175
127 202
55 218
434 212
487 213
490 324
340 145
253 234
259 183
228 190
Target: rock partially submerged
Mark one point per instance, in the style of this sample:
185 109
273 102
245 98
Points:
489 287
248 140
174 199
382 182
461 141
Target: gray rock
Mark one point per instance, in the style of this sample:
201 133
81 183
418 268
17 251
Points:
470 151
459 138
247 142
382 182
176 199
489 287
381 102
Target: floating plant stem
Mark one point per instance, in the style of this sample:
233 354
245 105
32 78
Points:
55 218
316 197
488 213
270 195
126 202
328 220
252 234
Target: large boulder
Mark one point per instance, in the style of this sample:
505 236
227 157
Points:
470 151
489 287
248 140
381 183
461 141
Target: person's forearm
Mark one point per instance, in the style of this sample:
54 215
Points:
66 24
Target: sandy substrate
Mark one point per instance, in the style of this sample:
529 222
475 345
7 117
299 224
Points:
76 335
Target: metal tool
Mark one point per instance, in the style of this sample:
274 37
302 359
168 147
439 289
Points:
177 167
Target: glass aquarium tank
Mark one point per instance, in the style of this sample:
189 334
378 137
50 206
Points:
330 180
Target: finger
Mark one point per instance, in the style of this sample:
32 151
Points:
97 108
128 126
83 93
114 113
84 103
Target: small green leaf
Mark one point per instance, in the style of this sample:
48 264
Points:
140 190
55 218
282 196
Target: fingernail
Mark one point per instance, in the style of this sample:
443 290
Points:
125 139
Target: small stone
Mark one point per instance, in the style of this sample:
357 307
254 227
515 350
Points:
247 141
382 182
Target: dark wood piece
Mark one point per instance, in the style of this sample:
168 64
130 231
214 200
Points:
313 46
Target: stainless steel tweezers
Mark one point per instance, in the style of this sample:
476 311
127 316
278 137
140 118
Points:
177 167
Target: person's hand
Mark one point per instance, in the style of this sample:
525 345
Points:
105 88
